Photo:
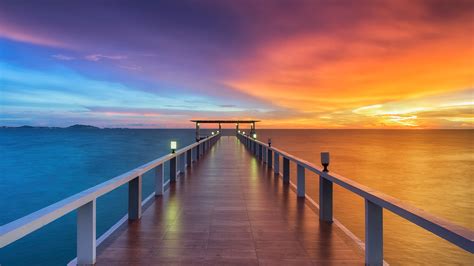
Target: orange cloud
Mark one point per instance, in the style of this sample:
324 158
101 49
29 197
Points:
375 62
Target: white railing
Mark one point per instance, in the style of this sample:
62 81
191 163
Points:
375 201
85 201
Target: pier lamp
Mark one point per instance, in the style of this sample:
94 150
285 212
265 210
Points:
325 160
243 132
218 132
213 133
173 146
255 135
238 131
269 142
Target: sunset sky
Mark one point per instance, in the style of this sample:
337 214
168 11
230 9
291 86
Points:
292 64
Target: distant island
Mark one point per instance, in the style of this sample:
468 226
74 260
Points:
79 126
76 126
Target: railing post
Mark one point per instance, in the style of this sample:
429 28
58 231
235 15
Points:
373 234
86 234
269 158
173 169
189 159
182 163
286 170
264 154
325 192
276 164
159 180
260 152
135 198
301 181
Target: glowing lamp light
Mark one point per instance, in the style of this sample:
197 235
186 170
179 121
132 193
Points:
218 132
243 132
254 135
238 131
269 142
213 133
173 146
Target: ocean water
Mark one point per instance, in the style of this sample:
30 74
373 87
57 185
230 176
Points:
39 167
430 169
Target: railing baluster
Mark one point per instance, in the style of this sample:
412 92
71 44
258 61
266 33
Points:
325 199
373 234
189 159
269 158
86 233
276 164
173 169
135 198
286 170
325 192
264 154
159 180
301 181
182 163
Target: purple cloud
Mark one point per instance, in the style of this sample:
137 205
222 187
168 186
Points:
98 57
63 57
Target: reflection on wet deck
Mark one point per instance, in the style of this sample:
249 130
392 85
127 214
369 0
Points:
229 209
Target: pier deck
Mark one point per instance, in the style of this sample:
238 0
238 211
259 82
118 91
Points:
228 209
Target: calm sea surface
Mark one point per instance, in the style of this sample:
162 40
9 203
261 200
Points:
430 169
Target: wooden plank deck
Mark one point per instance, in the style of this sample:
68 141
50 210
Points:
229 210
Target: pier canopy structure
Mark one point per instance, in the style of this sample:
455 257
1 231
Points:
219 122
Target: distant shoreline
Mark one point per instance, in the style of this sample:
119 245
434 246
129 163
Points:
89 127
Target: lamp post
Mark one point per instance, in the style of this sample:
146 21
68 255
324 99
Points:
325 160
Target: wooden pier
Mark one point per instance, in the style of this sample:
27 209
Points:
230 200
229 209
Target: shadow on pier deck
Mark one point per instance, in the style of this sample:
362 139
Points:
228 209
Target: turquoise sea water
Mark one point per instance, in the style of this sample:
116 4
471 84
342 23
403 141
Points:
431 169
39 167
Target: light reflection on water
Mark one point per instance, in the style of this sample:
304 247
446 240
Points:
430 169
